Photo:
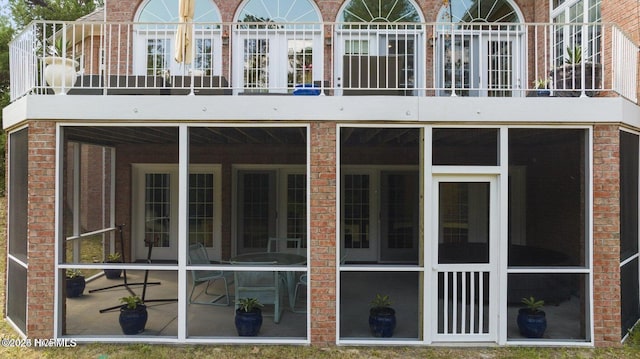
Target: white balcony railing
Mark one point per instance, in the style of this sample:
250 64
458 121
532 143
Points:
413 59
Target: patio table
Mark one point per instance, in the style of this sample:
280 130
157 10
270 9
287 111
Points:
279 258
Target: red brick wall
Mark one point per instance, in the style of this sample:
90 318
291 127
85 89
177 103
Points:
323 233
606 235
41 229
125 11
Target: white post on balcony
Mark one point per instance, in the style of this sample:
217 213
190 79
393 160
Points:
453 60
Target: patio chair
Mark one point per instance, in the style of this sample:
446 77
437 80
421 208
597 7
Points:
262 285
302 281
282 244
198 255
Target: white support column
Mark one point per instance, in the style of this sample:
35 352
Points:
183 228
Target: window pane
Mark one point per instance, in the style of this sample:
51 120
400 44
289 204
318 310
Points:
18 195
547 197
565 303
628 194
297 207
356 211
201 218
17 294
83 314
467 146
630 307
357 289
463 223
379 11
157 209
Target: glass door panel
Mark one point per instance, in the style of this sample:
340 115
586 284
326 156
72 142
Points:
256 65
158 229
357 239
464 268
399 222
256 210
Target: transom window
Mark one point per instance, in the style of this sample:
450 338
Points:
380 11
289 11
167 11
477 11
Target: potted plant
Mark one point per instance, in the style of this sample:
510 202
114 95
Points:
60 72
75 283
248 318
113 273
382 318
569 76
542 87
532 321
133 315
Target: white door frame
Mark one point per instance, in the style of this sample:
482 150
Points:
139 249
491 267
278 60
478 59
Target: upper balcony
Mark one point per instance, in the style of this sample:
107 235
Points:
333 59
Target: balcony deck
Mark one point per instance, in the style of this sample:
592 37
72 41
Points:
329 59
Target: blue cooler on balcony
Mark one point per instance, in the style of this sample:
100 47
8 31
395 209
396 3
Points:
306 90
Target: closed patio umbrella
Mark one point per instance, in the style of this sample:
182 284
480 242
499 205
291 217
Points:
184 41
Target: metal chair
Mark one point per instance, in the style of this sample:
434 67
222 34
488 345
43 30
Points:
283 244
198 255
302 281
262 285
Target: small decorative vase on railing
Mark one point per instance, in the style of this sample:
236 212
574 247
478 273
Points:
60 73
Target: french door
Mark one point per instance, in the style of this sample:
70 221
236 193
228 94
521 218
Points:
479 65
275 62
270 203
464 262
155 210
379 215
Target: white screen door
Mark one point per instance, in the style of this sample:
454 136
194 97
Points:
465 219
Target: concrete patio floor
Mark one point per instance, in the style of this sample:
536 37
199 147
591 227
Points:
83 315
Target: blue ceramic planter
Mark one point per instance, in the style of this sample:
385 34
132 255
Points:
532 325
132 321
75 286
382 322
248 323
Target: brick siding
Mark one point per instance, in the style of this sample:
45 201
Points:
606 235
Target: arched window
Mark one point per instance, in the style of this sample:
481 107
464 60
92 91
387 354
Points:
280 11
480 47
167 11
156 25
385 35
478 11
278 45
379 11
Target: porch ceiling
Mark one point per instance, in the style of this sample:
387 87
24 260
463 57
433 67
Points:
111 136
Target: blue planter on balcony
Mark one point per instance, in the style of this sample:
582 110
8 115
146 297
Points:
306 90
